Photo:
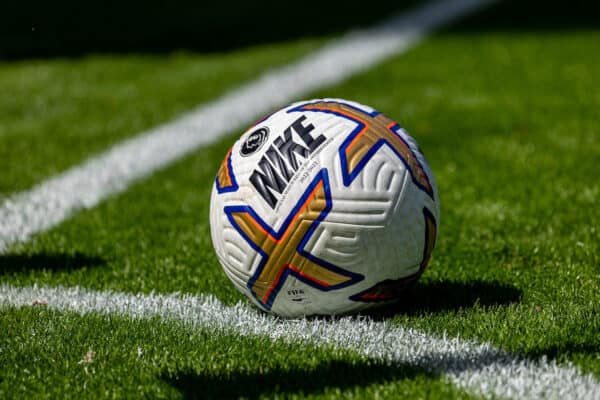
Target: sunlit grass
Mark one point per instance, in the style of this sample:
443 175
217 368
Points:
513 141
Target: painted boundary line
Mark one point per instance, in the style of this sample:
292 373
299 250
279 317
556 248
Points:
478 368
84 186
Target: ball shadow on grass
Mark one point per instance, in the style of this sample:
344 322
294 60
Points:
433 297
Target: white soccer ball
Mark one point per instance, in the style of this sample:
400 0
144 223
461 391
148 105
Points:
324 207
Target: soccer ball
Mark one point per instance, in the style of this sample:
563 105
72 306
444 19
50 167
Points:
324 207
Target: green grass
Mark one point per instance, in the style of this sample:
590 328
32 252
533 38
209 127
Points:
139 359
515 144
508 122
62 111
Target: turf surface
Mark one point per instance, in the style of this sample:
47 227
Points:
62 111
65 355
514 142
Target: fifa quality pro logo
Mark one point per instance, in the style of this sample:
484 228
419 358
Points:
359 229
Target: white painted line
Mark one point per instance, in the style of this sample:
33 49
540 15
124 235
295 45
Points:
84 186
478 368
